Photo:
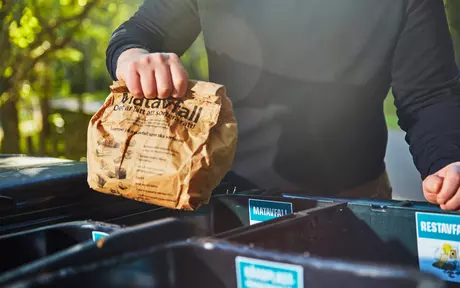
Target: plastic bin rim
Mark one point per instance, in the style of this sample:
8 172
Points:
83 224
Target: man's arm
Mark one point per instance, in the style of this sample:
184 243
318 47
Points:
140 45
426 87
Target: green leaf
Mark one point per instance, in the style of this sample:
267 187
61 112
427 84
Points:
112 8
69 54
65 88
65 2
57 120
23 43
8 72
13 29
26 91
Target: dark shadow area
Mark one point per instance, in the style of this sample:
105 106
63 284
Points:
333 232
223 213
56 248
24 248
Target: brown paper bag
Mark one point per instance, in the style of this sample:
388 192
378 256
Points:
171 152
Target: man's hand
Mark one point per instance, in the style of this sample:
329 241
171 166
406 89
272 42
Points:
443 187
152 75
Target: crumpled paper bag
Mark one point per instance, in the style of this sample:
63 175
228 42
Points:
170 153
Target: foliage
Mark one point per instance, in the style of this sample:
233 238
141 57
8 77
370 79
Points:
34 31
40 35
56 42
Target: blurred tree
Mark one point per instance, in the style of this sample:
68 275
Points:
52 48
31 31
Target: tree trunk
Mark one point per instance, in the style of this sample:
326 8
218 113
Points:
10 124
30 146
45 111
81 103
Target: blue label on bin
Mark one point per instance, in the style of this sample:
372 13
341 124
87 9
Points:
98 235
261 273
263 210
438 242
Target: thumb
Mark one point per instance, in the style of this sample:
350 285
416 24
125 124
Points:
431 187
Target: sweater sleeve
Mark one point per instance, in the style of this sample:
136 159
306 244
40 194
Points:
157 26
425 82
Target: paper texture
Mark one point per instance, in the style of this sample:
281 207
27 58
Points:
170 152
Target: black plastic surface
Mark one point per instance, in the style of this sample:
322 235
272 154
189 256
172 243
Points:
28 246
204 264
349 232
35 192
223 213
67 248
48 191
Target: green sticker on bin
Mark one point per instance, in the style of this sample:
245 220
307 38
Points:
263 210
261 273
98 235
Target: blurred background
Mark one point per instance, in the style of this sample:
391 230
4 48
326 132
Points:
53 78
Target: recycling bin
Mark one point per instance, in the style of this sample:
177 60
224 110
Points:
28 246
226 212
211 263
38 195
43 191
419 205
47 249
427 239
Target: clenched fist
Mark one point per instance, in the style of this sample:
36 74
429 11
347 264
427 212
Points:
443 187
152 75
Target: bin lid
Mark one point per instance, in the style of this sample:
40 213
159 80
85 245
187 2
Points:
14 162
17 170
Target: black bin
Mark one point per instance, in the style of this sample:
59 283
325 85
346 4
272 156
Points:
43 191
81 252
225 212
212 264
51 192
28 247
363 232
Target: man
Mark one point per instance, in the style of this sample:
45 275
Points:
308 79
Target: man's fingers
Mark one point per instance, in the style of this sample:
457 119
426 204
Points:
453 203
164 83
179 77
132 80
153 75
148 83
450 185
452 196
431 188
